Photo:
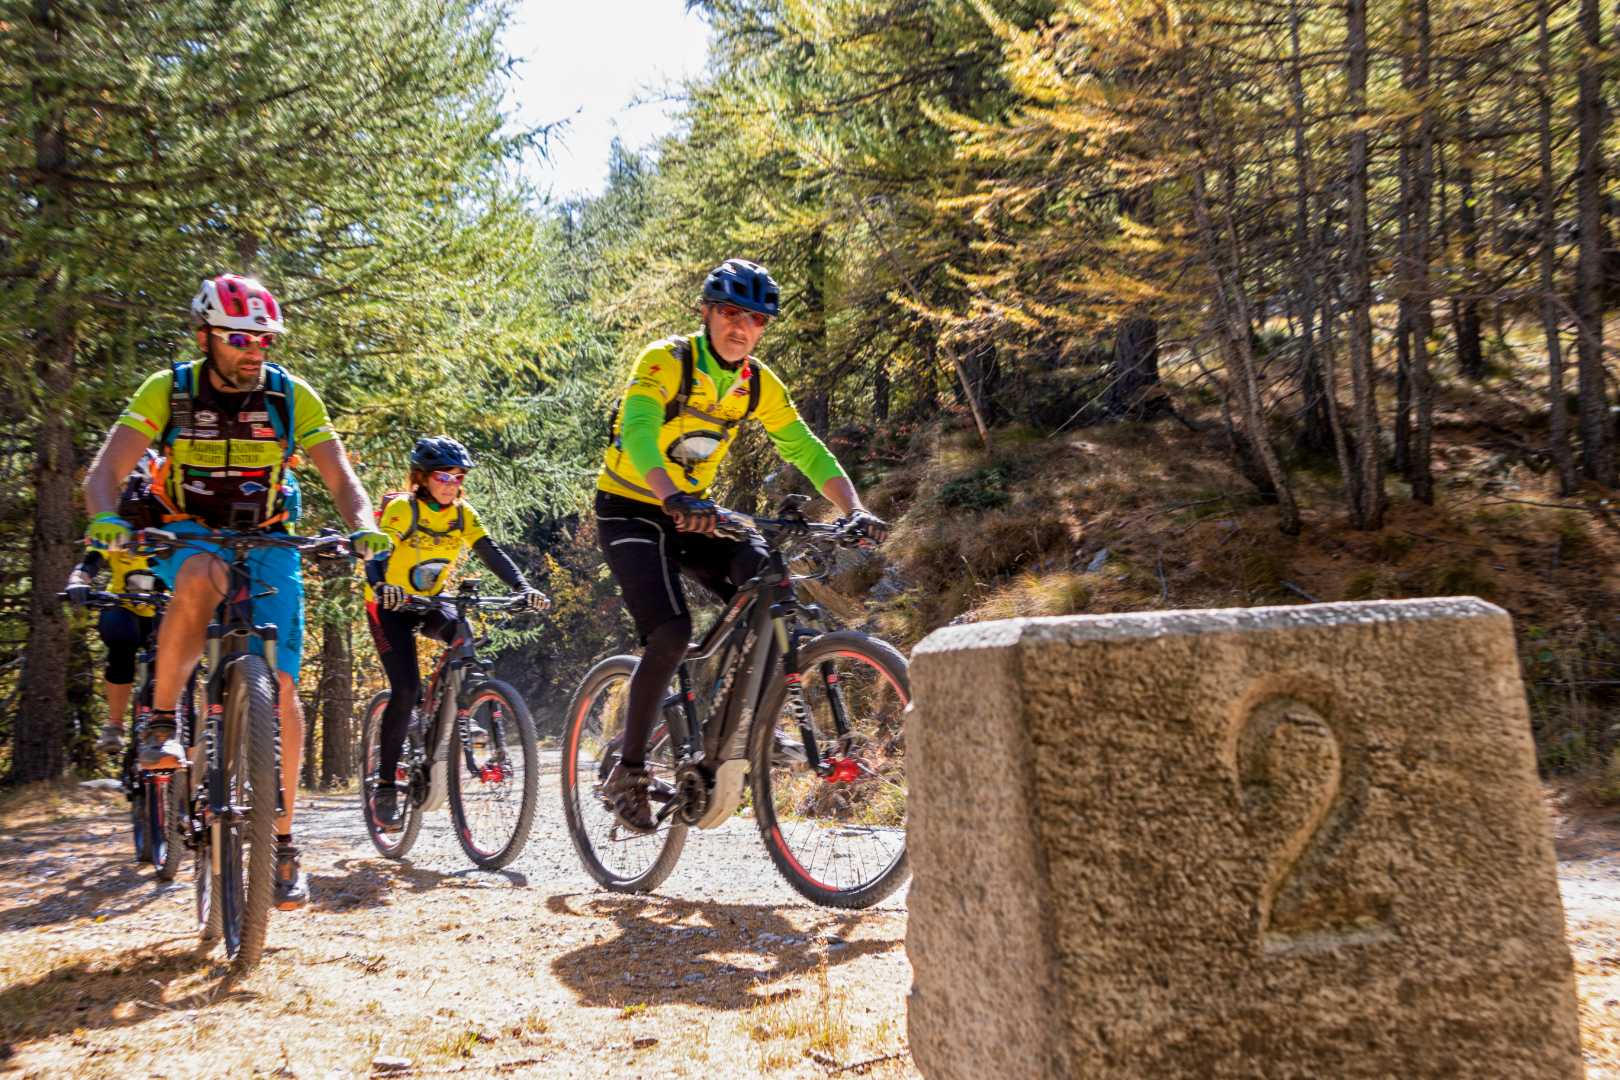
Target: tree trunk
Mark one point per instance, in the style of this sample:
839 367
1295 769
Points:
1597 448
1465 318
39 743
306 771
1134 369
1419 467
1557 409
1369 508
880 393
1316 427
337 704
1222 252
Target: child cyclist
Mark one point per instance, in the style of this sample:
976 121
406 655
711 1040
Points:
431 525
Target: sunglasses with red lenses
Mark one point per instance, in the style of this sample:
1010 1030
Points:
448 477
733 313
237 339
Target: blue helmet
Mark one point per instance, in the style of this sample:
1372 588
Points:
440 452
746 284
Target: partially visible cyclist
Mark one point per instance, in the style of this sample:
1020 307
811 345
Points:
123 629
229 425
431 526
680 413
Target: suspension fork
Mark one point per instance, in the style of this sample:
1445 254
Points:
787 641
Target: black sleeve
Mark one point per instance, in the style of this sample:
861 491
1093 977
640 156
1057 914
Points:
500 563
376 571
92 563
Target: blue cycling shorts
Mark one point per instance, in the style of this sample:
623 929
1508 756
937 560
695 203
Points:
280 569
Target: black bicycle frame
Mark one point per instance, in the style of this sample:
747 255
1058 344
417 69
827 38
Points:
461 654
762 618
229 638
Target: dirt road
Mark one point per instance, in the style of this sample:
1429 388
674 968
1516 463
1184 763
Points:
526 972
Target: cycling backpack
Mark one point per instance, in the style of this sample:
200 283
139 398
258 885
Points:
270 422
277 401
416 515
680 346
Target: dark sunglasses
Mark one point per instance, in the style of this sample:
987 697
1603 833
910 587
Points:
733 313
236 339
448 477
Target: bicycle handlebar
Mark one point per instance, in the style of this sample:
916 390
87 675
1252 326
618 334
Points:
736 525
99 600
326 544
463 602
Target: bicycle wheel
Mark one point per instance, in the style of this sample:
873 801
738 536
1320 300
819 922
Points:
248 775
175 825
161 817
617 858
492 805
392 845
138 820
837 836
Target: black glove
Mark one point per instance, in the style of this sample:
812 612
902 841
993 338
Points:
535 600
390 597
867 524
691 513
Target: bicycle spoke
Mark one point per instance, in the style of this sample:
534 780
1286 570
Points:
840 830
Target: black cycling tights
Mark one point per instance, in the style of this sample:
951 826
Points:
666 648
395 635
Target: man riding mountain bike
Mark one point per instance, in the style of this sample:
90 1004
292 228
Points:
431 525
228 426
675 425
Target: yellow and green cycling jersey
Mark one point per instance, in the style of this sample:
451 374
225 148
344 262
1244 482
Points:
425 556
690 446
226 454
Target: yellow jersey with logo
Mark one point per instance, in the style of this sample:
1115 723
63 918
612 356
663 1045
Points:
424 557
690 446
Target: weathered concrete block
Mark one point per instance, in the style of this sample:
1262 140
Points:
1280 842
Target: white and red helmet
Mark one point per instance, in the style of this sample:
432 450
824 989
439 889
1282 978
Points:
233 302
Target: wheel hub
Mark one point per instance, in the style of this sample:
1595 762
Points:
842 771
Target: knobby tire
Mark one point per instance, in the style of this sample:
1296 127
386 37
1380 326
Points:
773 717
397 844
579 779
519 727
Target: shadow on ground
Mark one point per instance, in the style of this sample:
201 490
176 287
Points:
675 951
360 883
112 990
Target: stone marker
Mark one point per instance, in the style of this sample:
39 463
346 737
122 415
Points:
1278 842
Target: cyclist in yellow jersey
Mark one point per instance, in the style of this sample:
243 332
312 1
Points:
431 525
229 425
124 629
680 413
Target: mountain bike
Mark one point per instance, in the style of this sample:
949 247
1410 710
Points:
490 776
157 805
770 709
230 823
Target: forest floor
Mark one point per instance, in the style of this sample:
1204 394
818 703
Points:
527 971
443 970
